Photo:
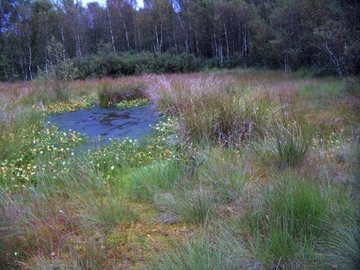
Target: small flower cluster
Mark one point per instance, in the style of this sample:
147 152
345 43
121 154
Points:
132 103
128 153
71 105
35 150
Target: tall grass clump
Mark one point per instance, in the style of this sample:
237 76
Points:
289 225
195 206
159 176
111 93
344 243
213 178
110 210
189 204
212 109
292 143
206 249
224 172
342 246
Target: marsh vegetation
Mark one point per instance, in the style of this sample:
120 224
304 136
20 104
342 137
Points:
248 169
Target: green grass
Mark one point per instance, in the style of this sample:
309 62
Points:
204 251
289 223
346 243
213 110
110 93
224 172
144 183
189 205
248 170
292 143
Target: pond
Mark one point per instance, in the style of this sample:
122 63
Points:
103 123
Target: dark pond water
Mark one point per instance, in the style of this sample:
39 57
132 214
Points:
107 123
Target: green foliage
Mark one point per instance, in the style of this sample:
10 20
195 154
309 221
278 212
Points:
59 72
346 240
351 86
120 40
103 95
111 211
60 67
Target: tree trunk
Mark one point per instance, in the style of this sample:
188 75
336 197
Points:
63 43
333 59
227 43
245 48
30 60
159 40
78 45
110 28
126 34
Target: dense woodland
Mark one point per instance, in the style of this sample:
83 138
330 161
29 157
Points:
322 36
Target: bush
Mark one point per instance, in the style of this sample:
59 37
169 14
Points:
127 64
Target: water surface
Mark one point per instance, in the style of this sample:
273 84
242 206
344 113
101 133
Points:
102 123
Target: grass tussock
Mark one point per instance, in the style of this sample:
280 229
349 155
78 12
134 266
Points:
111 93
247 170
211 109
292 143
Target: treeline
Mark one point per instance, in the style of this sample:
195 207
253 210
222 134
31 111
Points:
36 36
122 64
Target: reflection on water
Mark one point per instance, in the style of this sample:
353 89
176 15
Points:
107 123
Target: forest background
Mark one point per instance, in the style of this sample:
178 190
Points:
170 36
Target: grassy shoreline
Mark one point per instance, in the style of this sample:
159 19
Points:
248 170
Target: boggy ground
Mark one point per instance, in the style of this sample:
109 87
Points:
248 170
